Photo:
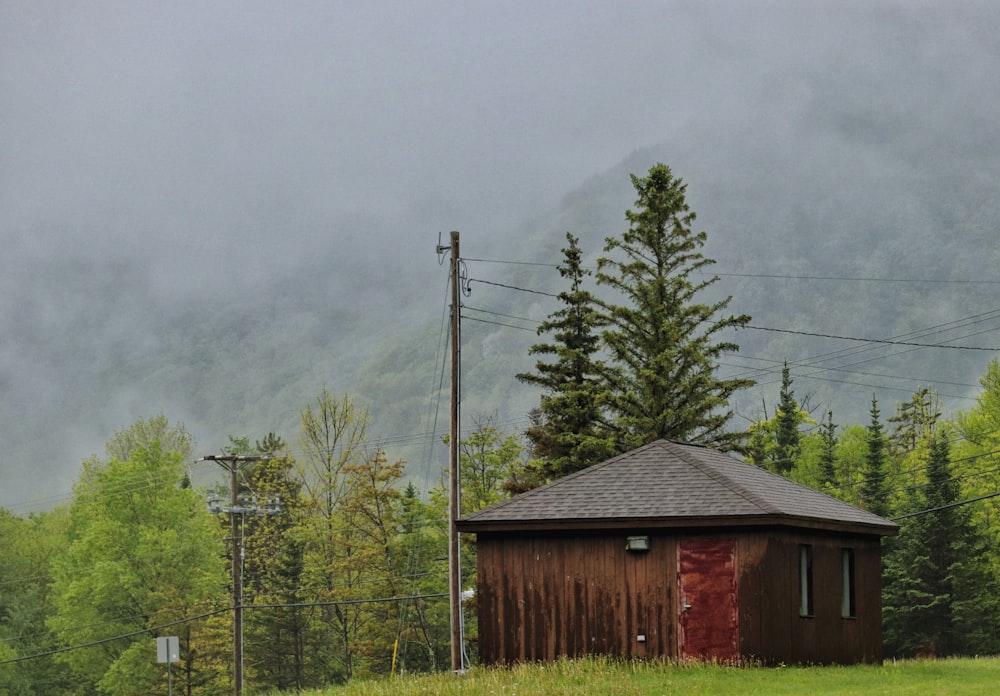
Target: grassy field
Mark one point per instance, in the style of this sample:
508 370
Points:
598 677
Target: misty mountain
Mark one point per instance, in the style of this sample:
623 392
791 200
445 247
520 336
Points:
215 212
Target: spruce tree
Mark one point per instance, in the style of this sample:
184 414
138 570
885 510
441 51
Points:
913 420
664 343
788 419
569 431
940 596
874 489
828 458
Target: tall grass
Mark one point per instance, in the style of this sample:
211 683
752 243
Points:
606 677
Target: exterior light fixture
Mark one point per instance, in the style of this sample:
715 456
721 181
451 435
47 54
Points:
637 543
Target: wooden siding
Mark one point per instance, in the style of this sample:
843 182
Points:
541 598
772 630
544 596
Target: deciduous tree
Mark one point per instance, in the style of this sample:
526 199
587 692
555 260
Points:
141 552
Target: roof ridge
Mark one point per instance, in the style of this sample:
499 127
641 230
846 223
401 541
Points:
725 480
784 481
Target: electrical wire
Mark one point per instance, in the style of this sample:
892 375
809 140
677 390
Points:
777 276
156 629
872 340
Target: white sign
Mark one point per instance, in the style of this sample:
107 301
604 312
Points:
168 649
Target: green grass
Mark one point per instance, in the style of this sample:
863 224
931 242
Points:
603 677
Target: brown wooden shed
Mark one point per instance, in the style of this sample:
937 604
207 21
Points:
681 552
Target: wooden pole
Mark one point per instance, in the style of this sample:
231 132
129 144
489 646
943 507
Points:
454 565
237 532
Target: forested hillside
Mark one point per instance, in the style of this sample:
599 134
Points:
847 188
866 239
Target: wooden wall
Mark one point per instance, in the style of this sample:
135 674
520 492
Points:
541 597
771 629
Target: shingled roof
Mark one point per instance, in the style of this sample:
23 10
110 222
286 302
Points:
668 484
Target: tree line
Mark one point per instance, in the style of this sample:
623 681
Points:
349 579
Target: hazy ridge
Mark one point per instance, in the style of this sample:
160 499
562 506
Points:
817 144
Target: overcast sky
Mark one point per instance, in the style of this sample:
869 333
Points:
210 135
204 143
207 132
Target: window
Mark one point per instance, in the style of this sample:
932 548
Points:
848 608
805 580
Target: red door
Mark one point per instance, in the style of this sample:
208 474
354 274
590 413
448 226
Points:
706 591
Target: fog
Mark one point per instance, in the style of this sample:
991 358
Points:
157 159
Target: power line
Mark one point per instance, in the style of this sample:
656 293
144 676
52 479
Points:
498 314
942 507
857 279
872 340
512 287
499 323
778 363
781 276
189 619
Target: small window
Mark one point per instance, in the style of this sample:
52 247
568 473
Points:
805 580
848 607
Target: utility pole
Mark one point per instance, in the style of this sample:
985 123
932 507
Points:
454 508
237 511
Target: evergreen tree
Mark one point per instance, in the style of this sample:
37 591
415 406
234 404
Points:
914 419
940 596
664 343
828 458
874 488
788 419
568 433
275 643
421 549
776 443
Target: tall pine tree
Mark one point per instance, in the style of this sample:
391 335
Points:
569 432
664 342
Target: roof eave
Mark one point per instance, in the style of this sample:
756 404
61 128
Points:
473 526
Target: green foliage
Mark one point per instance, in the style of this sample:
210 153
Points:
141 551
275 638
27 547
874 489
978 456
145 433
333 438
776 444
569 431
663 343
914 421
828 457
488 459
419 551
788 418
939 596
